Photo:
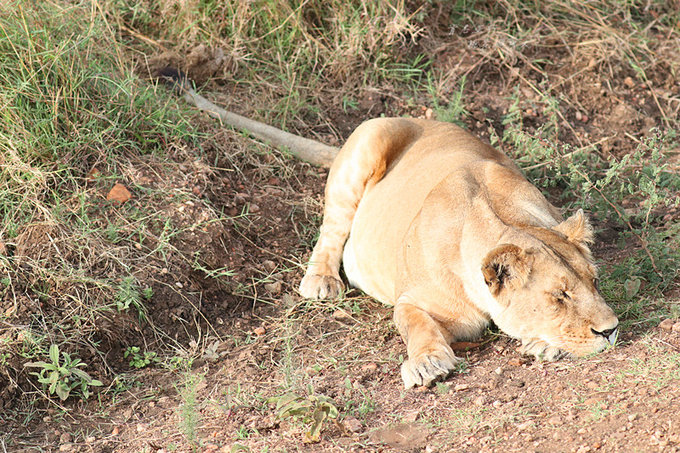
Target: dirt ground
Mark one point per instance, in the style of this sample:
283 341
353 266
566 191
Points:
253 338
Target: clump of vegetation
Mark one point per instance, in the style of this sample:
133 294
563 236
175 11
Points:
73 115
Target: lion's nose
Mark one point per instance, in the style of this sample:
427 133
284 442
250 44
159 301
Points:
609 334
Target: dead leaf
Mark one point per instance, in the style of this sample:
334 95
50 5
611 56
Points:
119 193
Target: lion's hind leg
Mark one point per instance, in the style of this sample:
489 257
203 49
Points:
360 164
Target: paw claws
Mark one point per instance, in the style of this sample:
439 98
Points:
427 369
320 287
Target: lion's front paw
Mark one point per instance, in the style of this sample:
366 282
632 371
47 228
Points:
315 286
542 350
426 369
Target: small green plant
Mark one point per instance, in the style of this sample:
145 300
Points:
139 359
313 410
61 376
189 415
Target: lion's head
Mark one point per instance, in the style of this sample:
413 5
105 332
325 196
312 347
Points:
547 291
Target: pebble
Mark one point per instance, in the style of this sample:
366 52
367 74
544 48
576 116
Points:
411 417
370 366
115 431
480 401
90 439
628 81
555 420
676 327
525 425
460 387
498 371
259 331
274 288
66 438
353 425
66 447
254 208
667 324
341 314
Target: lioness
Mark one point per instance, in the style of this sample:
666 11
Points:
444 227
429 219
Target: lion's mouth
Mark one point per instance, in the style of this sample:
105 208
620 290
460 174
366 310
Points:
611 335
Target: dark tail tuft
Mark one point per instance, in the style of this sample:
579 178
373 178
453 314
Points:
175 77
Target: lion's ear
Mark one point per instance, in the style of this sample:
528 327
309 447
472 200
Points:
506 266
577 229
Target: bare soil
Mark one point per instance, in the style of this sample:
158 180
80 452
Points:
253 338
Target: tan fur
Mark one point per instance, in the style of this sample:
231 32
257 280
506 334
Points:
445 228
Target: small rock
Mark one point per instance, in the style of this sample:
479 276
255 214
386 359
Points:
429 114
592 385
516 361
274 288
411 417
579 116
525 425
632 417
341 315
269 265
66 438
628 81
353 425
497 404
254 208
676 327
498 371
592 401
66 447
241 198
90 439
115 431
479 401
141 427
119 193
667 324
461 387
259 331
555 420
370 366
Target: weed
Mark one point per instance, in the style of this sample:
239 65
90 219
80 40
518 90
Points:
62 375
139 359
188 411
313 410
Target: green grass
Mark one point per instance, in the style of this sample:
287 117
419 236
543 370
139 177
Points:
70 103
